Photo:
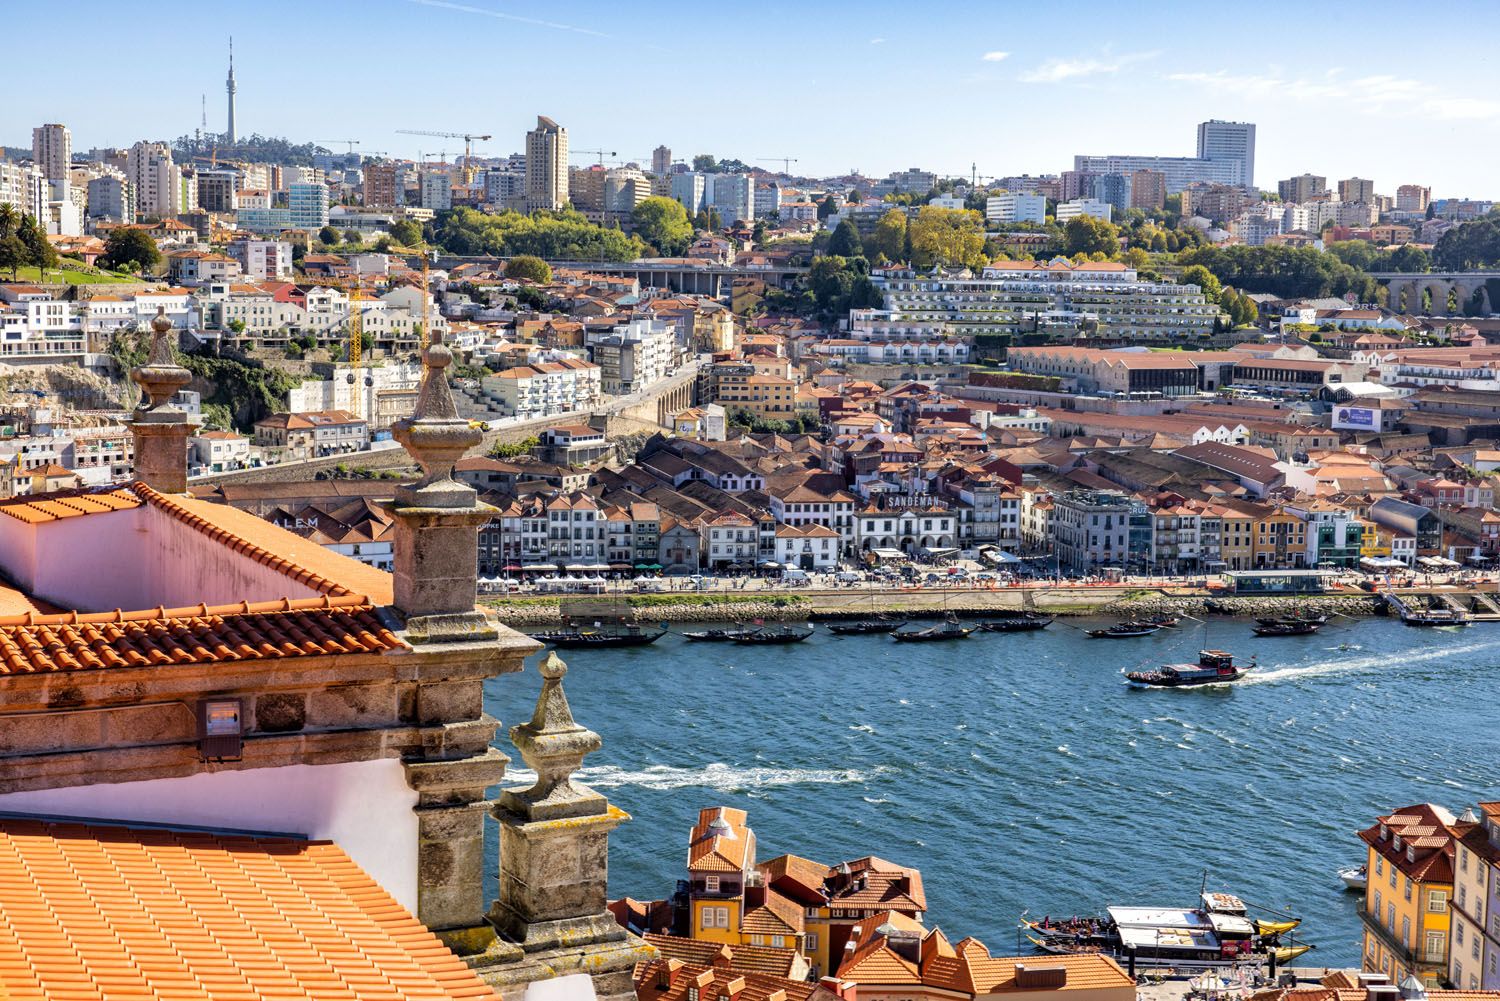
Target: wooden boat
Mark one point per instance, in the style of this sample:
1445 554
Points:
1279 619
865 627
1216 934
946 631
1017 624
620 636
1214 667
780 634
1123 630
1287 629
1164 621
715 635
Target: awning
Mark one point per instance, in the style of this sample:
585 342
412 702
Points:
511 567
888 554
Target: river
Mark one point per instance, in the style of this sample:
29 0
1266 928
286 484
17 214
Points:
1017 771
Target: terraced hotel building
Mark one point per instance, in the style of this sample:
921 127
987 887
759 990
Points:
1058 296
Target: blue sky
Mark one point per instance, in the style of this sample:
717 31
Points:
1335 88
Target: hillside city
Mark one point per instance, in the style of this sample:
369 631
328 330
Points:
293 435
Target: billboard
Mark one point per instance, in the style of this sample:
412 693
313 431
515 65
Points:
1356 419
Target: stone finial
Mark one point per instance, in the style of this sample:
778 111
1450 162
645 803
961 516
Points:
436 437
554 745
161 377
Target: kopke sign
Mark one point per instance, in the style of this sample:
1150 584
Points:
1355 419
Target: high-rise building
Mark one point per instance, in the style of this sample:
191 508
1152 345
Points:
52 151
1006 208
546 165
1148 190
110 198
1413 198
1114 191
1231 141
24 188
217 190
586 188
1357 189
1076 184
1302 188
690 190
384 183
308 205
733 195
436 189
156 180
661 160
229 89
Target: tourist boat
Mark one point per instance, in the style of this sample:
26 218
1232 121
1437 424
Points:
1017 624
1287 628
715 635
865 627
1214 667
780 634
1355 877
628 634
1123 630
1216 934
946 631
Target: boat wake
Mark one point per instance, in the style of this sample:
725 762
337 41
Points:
718 776
1355 664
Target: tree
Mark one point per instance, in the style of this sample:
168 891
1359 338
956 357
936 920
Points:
353 236
700 221
40 253
1408 259
1087 235
12 254
1200 276
827 207
855 197
715 221
328 236
529 267
704 163
1135 259
130 249
947 236
384 244
845 241
889 239
663 223
406 232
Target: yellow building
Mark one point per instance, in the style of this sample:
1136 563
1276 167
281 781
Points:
721 857
1236 538
1406 908
1280 541
766 396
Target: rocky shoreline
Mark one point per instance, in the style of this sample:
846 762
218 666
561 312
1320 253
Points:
1249 607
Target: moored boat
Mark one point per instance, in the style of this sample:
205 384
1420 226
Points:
771 636
946 631
1216 934
1287 628
1017 623
1214 667
865 627
715 635
625 635
1123 630
1299 617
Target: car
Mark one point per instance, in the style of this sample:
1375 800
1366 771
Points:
848 577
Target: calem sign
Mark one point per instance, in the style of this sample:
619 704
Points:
1356 419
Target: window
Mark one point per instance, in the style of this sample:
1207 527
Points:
1406 931
1408 889
711 883
812 942
1376 909
1437 901
723 916
1379 866
692 994
1436 943
779 941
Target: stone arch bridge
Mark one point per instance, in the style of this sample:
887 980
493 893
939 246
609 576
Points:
1405 290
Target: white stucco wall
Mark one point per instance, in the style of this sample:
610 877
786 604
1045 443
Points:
365 806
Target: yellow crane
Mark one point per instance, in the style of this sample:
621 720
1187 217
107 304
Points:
356 327
426 337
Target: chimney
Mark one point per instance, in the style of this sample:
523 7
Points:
160 428
438 518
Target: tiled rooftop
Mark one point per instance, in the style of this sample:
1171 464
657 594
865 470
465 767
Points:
100 912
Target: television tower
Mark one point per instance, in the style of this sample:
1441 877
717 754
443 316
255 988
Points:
229 86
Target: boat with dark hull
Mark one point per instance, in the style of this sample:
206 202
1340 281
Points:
1287 628
1123 631
1215 935
615 636
1017 624
945 631
1214 667
773 636
715 635
865 627
1276 620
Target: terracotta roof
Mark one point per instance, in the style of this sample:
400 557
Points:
743 958
777 916
96 911
712 852
1424 831
713 982
69 504
73 641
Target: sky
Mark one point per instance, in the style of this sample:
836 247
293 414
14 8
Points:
1335 88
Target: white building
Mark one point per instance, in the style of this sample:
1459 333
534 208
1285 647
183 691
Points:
1008 208
263 260
807 547
1084 206
219 451
52 151
634 355
691 191
436 190
109 197
377 394
156 180
25 188
733 196
1229 142
545 389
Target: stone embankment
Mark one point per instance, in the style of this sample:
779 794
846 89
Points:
538 613
1158 603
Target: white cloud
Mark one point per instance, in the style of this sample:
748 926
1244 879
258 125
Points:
500 15
995 57
1380 94
877 41
1057 70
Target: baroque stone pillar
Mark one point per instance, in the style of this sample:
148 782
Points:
160 428
550 914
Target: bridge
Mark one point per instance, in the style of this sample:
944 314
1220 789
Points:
1405 290
688 275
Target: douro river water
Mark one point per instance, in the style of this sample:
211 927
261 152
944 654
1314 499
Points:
1017 770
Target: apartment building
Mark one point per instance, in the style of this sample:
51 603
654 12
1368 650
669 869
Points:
1085 206
52 151
1148 190
1014 297
263 260
1302 188
546 165
1010 208
634 355
546 388
1092 528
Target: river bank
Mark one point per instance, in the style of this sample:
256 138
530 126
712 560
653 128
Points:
547 611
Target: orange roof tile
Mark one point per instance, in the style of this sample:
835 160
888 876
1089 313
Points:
72 641
68 504
710 851
743 958
95 911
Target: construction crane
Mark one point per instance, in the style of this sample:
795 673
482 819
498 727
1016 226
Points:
469 139
602 153
356 327
351 143
785 161
426 298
